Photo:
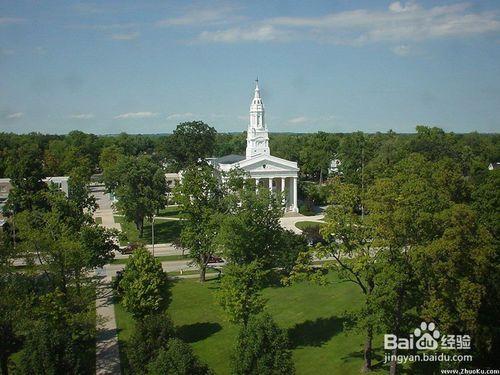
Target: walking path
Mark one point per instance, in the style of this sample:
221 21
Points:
288 222
107 351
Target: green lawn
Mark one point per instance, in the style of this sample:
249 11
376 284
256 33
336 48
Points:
312 314
170 211
307 224
165 231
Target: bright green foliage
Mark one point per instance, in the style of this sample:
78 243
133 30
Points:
150 336
486 202
60 338
316 154
62 159
200 197
139 185
178 359
67 243
354 152
239 293
25 170
144 285
190 142
255 215
262 349
12 297
459 276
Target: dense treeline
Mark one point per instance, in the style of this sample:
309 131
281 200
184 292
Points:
64 154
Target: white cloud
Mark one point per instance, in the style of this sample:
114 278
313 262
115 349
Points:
197 16
298 120
5 21
400 22
401 50
14 115
130 115
262 33
105 27
82 116
180 115
125 36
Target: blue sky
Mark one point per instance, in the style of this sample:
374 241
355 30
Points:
340 66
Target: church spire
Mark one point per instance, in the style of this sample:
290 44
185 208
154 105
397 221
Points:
257 136
257 91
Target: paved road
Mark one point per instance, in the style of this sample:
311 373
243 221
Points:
172 267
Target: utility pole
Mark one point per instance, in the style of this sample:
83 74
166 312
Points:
362 178
153 233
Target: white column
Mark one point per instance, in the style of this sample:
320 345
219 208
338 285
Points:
295 208
270 184
283 190
257 184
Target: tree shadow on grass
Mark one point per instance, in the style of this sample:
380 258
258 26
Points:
198 331
315 333
377 358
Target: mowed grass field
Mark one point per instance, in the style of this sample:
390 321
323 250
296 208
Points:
313 315
302 225
165 231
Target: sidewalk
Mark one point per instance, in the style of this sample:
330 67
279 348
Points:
289 222
107 351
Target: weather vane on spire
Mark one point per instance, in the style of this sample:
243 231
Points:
257 79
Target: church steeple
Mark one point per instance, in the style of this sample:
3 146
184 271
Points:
257 136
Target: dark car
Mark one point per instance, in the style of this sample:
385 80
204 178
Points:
215 259
129 249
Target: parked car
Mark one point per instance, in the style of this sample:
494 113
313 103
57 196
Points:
129 249
215 259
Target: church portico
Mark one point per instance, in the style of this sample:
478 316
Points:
277 174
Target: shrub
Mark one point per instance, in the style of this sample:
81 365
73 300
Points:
262 349
151 334
178 359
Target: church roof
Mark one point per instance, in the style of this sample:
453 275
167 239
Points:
229 159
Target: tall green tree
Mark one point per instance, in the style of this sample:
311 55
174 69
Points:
200 196
255 214
349 241
190 142
25 170
139 185
239 293
144 285
405 214
65 242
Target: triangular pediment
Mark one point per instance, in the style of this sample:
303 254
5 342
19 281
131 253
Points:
267 163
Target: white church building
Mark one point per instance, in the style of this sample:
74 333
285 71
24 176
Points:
278 175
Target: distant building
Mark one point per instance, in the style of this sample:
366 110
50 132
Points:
493 166
277 174
5 186
334 167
